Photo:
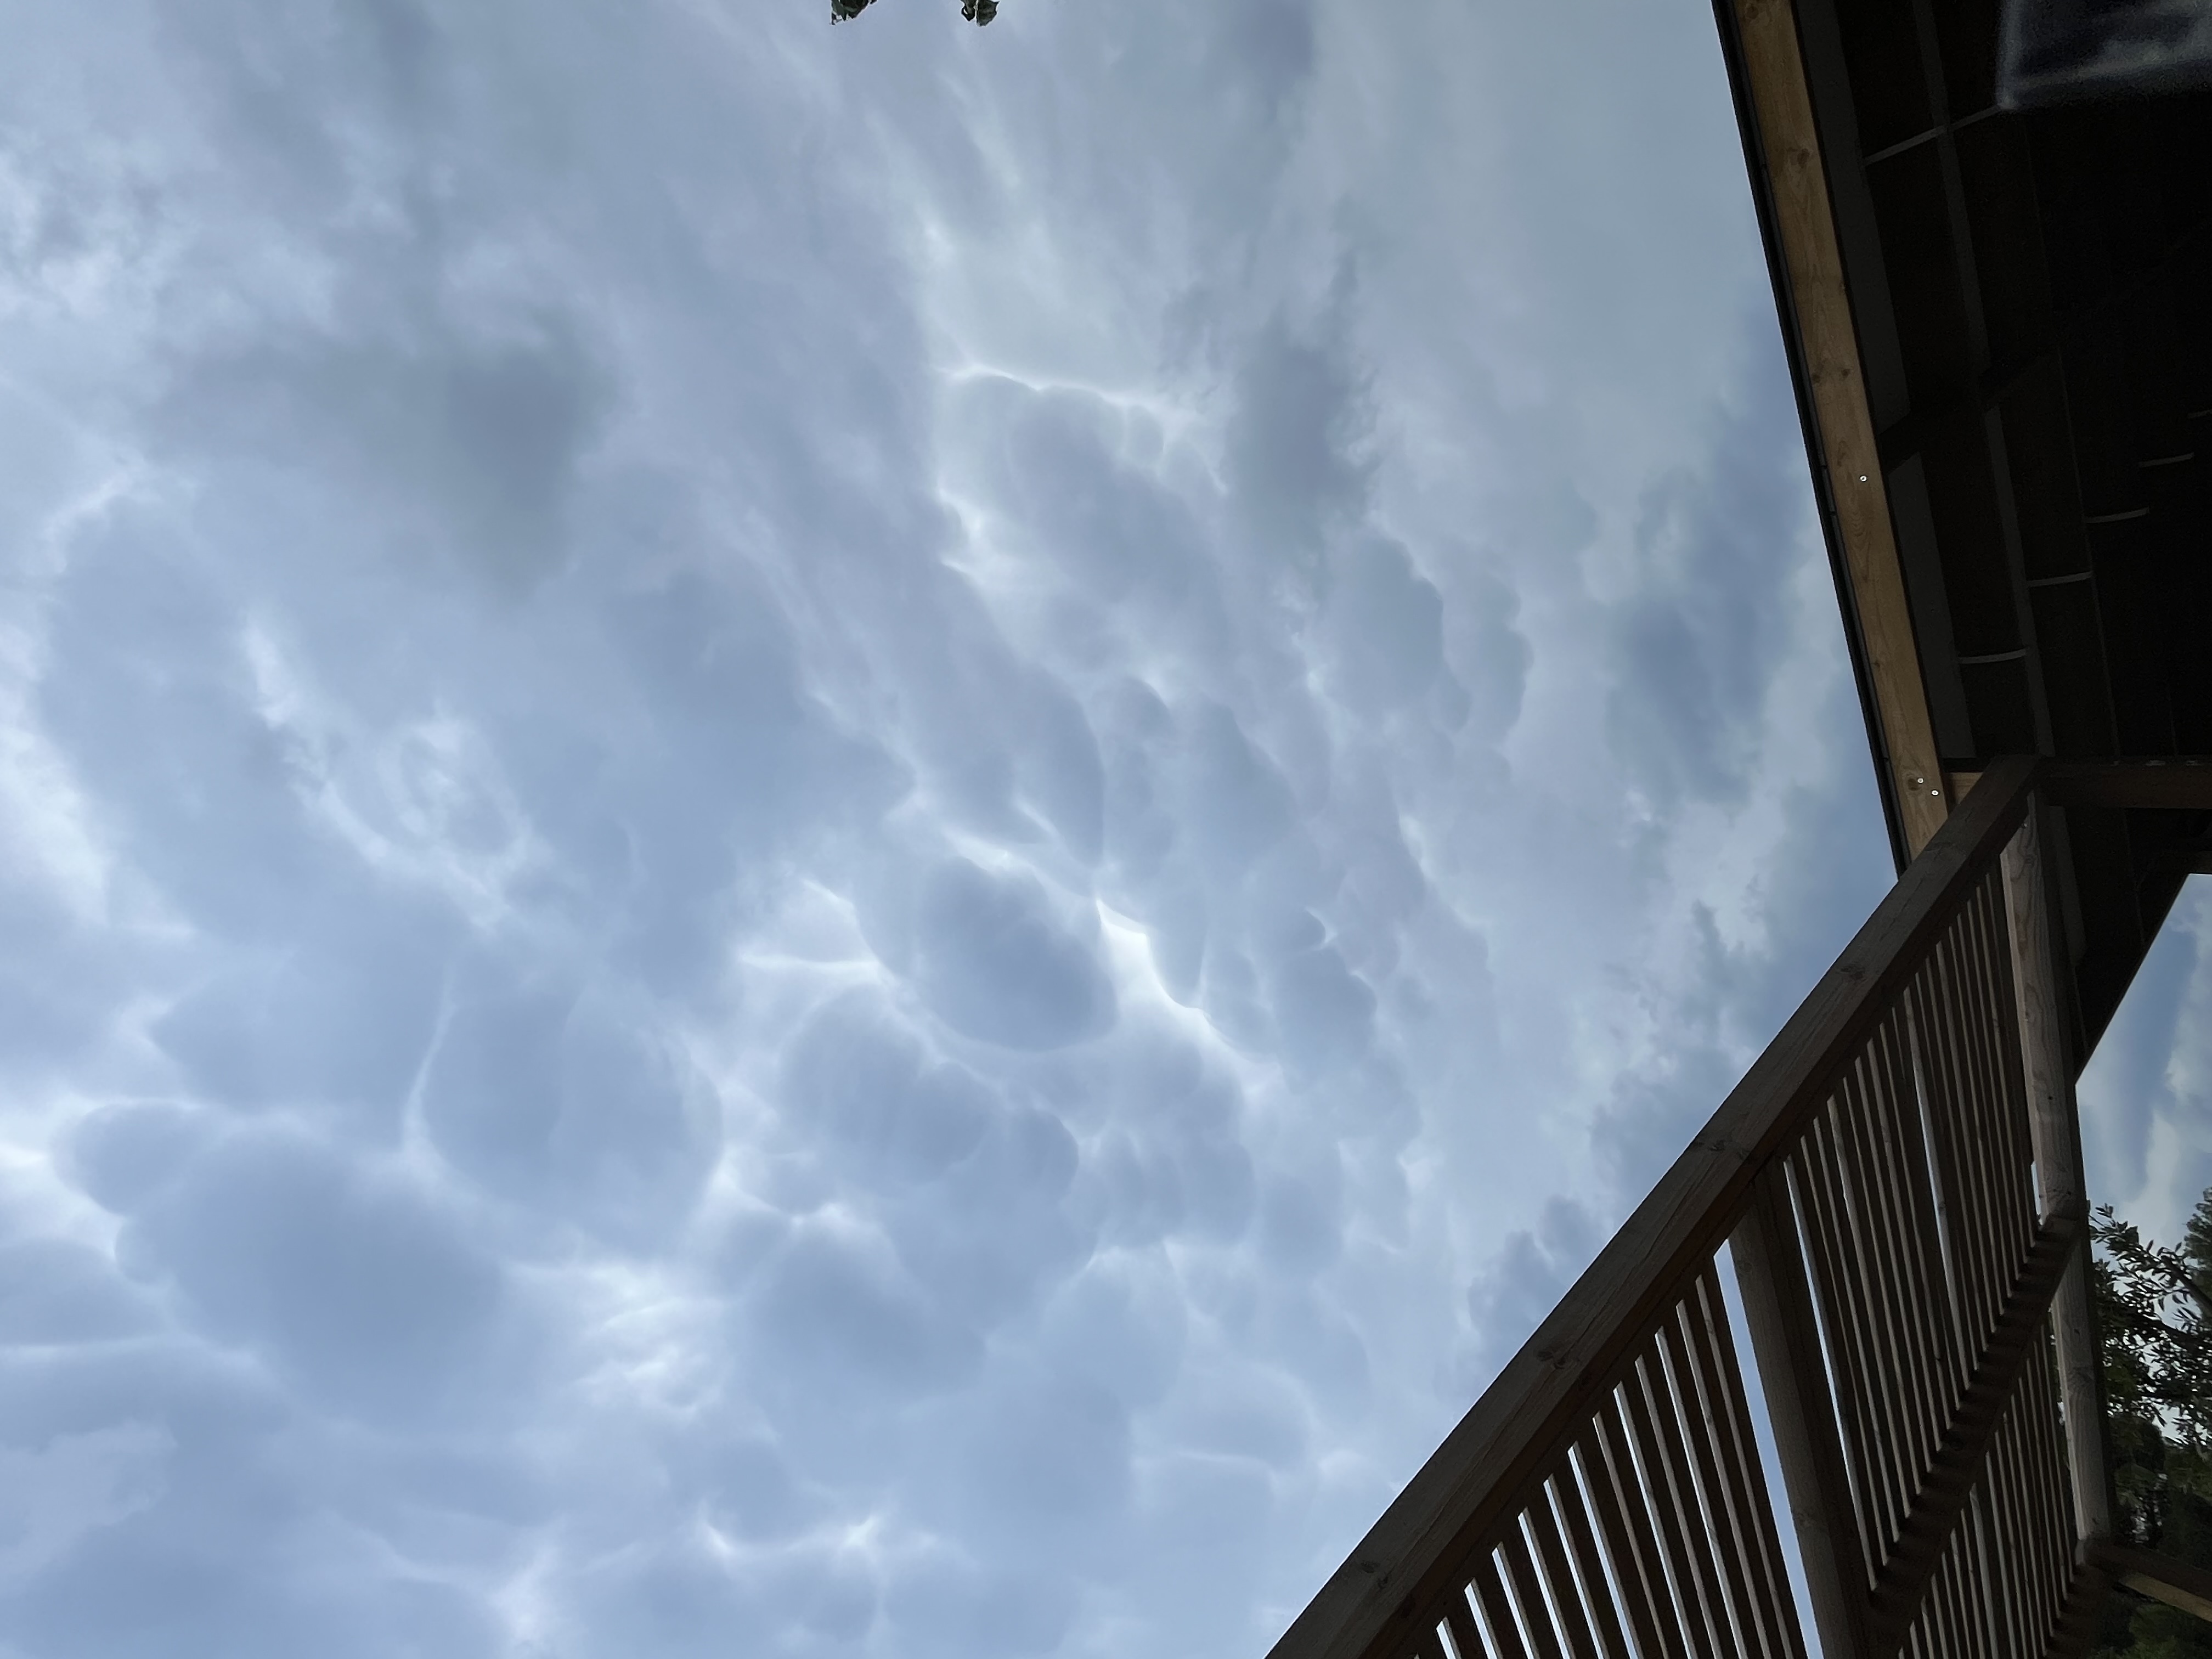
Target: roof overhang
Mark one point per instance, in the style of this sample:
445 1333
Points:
1999 323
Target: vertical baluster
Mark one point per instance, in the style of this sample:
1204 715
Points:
2042 1437
1666 1516
1461 1637
1486 1595
1744 1481
1906 1160
2004 996
1950 1601
1997 1034
1990 1534
1610 1584
1706 1433
1916 1175
1966 1224
1575 1630
1526 1586
1652 1411
1632 1540
1851 1359
1950 1107
1897 1374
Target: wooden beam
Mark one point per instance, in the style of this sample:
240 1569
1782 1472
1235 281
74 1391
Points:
2177 1583
2055 1128
1785 1342
2182 784
1506 1442
1819 303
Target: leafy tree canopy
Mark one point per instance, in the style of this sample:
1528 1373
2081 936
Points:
2154 1319
975 11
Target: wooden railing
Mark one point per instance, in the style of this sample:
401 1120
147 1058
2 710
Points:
1898 1182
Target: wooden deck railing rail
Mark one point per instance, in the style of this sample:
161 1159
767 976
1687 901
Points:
1898 1179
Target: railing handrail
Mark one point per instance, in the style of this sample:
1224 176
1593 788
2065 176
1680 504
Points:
1418 1548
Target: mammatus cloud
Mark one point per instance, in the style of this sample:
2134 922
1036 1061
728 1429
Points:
855 844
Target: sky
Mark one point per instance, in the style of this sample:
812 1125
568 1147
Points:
857 843
2146 1095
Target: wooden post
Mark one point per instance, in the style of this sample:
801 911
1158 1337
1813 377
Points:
2056 1132
1777 1306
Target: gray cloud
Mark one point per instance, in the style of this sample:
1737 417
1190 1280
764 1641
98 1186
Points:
1525 1282
379 1300
550 1096
1289 449
854 1078
995 964
1699 647
812 833
457 437
52 1292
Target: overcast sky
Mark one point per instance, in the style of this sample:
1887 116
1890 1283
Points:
867 842
2146 1096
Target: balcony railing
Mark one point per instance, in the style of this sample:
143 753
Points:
1897 1180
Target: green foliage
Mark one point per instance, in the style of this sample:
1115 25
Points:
2154 1311
975 11
2151 1630
2155 1319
